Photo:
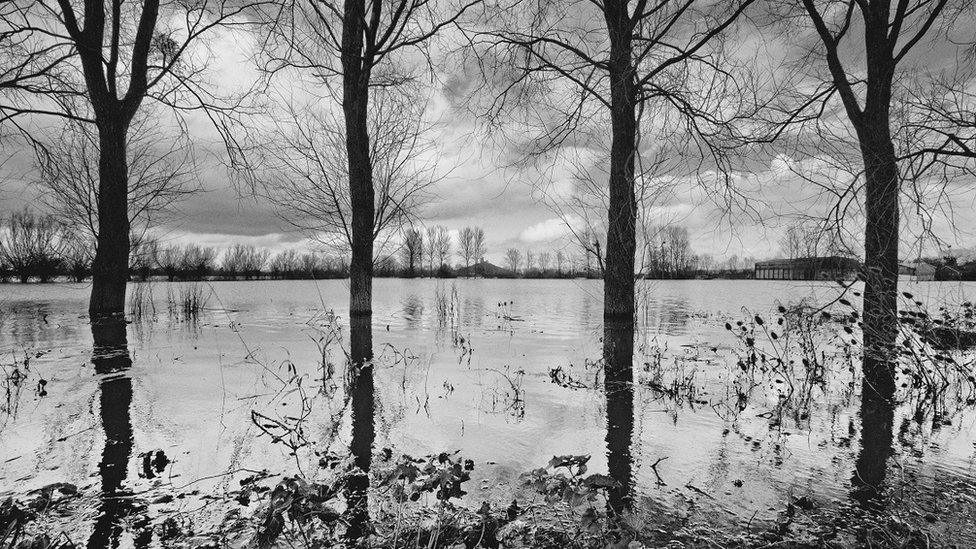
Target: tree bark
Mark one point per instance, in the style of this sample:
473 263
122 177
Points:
880 255
618 277
361 391
110 268
881 231
618 384
355 101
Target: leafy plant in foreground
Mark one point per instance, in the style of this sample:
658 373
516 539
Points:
564 479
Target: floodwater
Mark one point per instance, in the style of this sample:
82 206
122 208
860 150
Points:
506 371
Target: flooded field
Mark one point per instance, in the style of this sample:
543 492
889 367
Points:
184 404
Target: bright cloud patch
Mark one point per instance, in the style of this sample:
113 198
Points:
545 231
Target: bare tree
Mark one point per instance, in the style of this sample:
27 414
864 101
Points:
32 245
677 245
197 261
478 245
370 46
242 260
98 66
466 245
514 259
142 257
560 261
592 250
706 262
790 243
443 237
301 165
619 60
668 252
412 249
285 264
77 256
188 262
545 259
471 245
159 175
430 248
865 56
169 260
806 239
733 263
310 263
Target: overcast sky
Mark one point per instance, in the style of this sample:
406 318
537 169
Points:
477 189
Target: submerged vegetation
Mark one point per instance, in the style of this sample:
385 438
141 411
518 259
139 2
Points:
16 375
187 300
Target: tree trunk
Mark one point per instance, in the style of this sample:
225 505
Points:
881 234
618 352
355 101
621 247
618 277
110 268
363 425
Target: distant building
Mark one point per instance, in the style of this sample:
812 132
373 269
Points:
808 268
920 270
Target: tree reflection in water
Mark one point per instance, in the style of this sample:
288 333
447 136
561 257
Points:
618 358
877 422
363 431
110 356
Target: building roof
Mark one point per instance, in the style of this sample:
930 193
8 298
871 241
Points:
830 261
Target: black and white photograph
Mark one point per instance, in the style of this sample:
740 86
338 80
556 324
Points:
487 274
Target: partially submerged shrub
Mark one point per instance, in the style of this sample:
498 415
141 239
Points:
798 351
801 348
187 301
936 357
141 304
14 377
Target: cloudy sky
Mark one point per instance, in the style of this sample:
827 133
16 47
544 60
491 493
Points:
478 186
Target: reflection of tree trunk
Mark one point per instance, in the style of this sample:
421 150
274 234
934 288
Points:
618 353
110 268
363 433
877 423
110 355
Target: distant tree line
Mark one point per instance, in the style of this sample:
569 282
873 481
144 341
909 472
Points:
41 247
33 247
427 252
667 254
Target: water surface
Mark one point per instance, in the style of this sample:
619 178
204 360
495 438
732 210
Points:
460 365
